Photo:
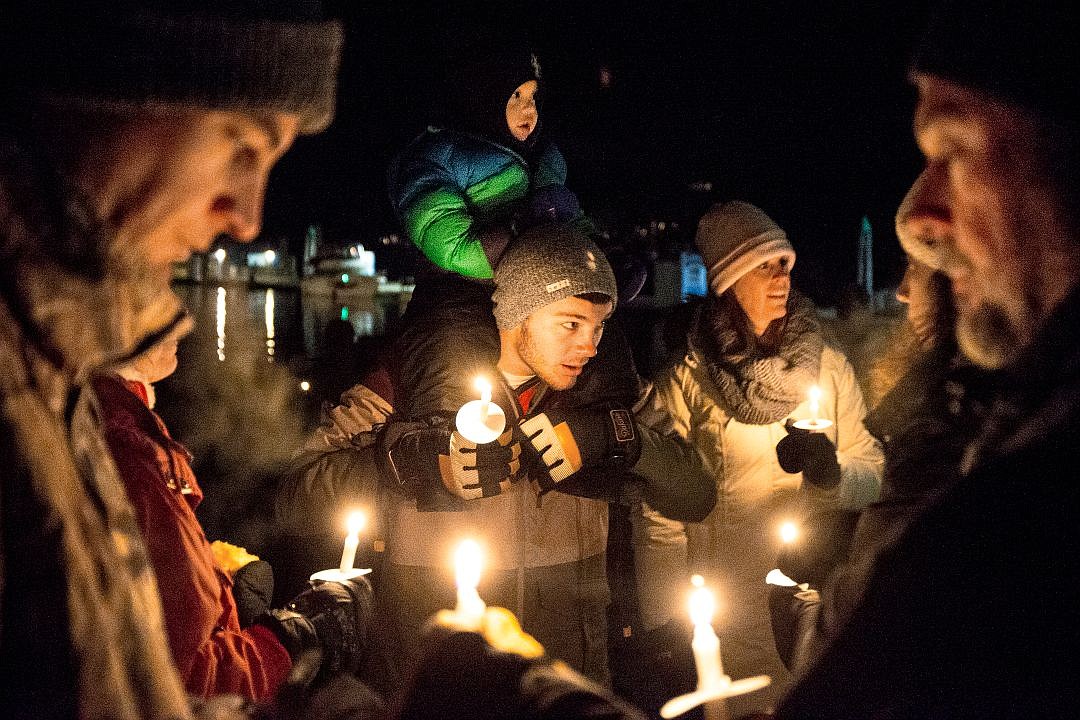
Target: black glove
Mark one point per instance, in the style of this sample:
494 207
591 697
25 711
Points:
331 617
441 468
794 613
564 441
812 454
252 590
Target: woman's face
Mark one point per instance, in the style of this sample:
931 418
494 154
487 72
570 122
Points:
521 113
763 292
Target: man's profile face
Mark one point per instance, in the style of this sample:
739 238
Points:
179 181
557 340
982 199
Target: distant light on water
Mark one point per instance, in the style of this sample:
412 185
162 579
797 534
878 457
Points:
268 313
305 385
221 321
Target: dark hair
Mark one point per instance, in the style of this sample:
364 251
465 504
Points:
902 348
765 344
596 298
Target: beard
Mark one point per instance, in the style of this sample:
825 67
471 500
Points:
990 335
528 352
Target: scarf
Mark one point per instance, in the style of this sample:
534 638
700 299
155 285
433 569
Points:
758 386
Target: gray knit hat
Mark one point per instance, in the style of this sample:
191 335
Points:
921 248
734 238
248 55
544 265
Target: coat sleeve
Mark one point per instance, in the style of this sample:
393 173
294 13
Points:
677 485
434 211
213 654
858 452
335 468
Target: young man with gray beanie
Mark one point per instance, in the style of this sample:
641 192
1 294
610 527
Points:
971 614
134 134
537 498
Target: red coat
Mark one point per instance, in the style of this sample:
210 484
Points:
214 655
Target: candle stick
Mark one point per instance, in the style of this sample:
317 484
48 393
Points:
467 563
706 645
352 541
485 399
345 569
481 421
713 685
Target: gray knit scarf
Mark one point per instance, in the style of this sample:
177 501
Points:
757 385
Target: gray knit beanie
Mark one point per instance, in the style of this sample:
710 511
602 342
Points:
246 55
544 265
734 238
921 248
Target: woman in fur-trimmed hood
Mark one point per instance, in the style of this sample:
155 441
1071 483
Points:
754 350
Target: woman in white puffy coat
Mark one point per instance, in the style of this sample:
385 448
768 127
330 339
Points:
754 350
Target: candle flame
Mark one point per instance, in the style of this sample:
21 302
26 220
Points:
789 532
702 602
355 522
815 401
467 563
484 387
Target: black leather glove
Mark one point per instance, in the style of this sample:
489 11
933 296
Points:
564 441
252 590
794 613
333 618
440 468
812 454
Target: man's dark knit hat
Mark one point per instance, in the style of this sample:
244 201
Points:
247 55
544 265
1019 53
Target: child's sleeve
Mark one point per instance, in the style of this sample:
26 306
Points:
434 211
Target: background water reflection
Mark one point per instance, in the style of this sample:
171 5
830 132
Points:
236 399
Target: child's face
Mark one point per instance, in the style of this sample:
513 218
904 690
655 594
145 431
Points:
521 114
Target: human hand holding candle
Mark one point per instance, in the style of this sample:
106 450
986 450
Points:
481 421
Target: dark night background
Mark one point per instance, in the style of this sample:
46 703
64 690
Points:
803 109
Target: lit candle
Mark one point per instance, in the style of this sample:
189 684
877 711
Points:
467 563
789 532
352 541
345 570
481 421
713 685
706 645
815 423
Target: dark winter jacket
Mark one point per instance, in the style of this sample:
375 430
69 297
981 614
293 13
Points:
214 655
923 423
81 632
970 613
448 188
